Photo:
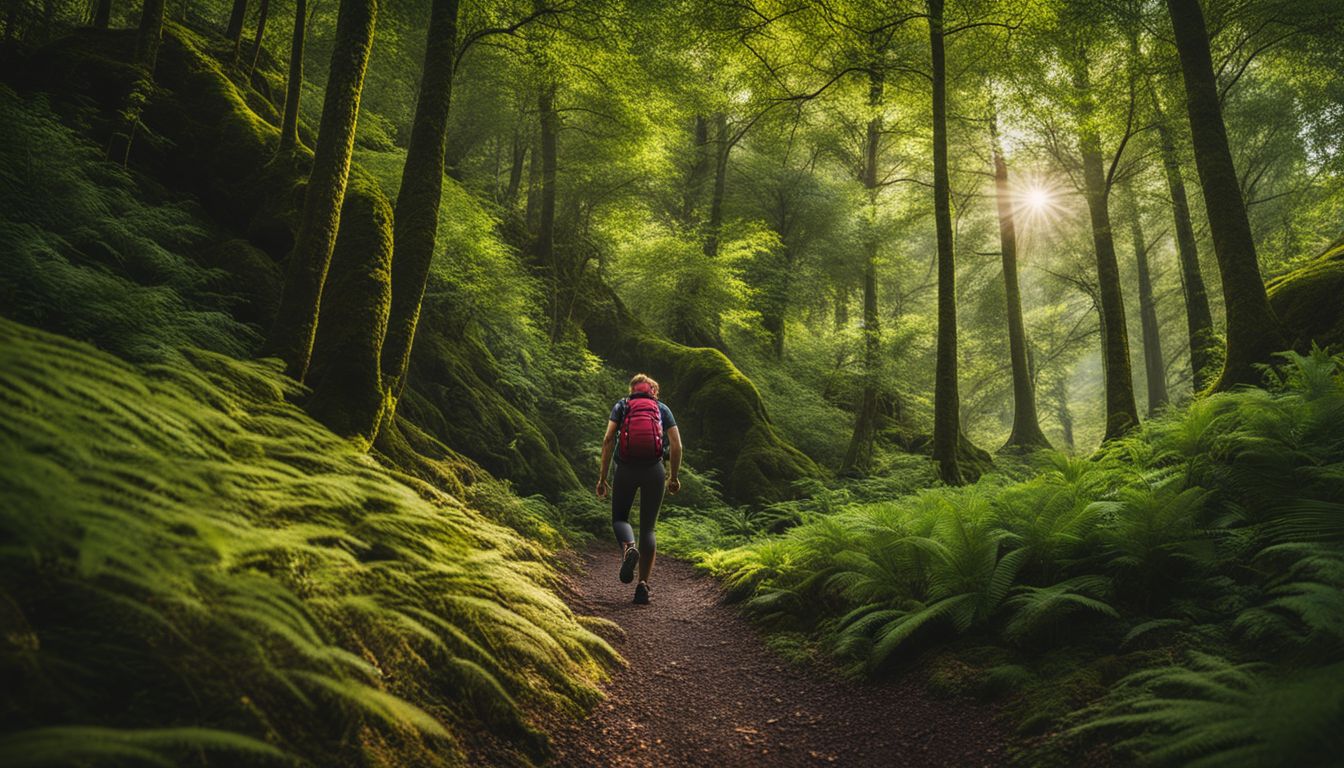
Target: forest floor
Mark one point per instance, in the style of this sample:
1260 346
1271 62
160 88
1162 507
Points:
702 688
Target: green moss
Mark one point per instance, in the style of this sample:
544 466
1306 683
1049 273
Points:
1307 301
719 410
345 374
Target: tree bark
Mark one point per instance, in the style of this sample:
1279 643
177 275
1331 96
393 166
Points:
289 125
721 151
1253 330
102 14
1154 364
518 157
262 14
545 246
416 216
149 35
695 180
1026 433
1122 414
234 31
859 453
950 446
297 317
1198 317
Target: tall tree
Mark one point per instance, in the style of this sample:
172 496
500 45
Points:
417 210
1198 317
148 37
289 124
102 14
549 124
861 442
1154 364
1121 411
1026 433
263 13
1253 331
297 316
237 17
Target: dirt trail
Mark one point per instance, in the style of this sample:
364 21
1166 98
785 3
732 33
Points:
701 689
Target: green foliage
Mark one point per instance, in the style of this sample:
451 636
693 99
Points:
88 256
178 530
1211 712
1093 557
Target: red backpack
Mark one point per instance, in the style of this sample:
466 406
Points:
642 428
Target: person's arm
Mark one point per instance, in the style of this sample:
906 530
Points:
674 455
608 443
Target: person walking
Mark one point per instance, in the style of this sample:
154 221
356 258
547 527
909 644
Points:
641 433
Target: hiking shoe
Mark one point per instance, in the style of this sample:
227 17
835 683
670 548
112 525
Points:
642 594
628 562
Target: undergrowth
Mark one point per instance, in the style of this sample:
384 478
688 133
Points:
193 566
1191 574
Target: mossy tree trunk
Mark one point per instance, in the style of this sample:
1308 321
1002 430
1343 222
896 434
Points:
102 14
289 124
1154 364
1253 330
1026 433
859 452
1198 317
1122 414
417 209
263 13
518 158
957 458
149 35
296 322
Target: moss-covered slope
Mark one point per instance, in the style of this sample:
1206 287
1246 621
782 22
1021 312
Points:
719 410
210 138
193 565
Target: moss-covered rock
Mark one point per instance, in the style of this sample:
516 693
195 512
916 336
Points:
719 410
1307 300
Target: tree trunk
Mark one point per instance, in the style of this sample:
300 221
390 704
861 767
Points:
237 16
1198 317
1122 414
289 126
545 248
416 217
950 446
695 180
262 14
1154 364
149 35
1026 433
519 156
859 453
297 316
1063 413
102 14
720 185
1253 330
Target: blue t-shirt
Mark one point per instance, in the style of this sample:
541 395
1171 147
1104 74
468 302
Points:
622 406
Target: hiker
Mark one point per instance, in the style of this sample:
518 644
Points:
644 434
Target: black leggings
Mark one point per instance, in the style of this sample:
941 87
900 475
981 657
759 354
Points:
648 480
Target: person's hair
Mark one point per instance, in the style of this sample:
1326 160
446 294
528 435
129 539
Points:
643 377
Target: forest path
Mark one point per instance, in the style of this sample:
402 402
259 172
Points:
702 689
